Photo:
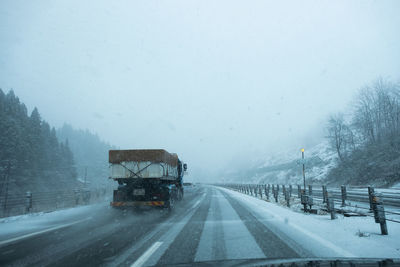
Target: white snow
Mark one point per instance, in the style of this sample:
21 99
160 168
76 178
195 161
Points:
343 237
396 186
23 224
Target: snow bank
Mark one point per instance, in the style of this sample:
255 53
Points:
322 237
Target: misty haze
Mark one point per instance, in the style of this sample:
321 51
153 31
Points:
162 133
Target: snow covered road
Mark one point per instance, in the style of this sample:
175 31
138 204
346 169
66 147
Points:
211 224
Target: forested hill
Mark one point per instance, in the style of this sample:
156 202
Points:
367 138
90 153
362 146
31 157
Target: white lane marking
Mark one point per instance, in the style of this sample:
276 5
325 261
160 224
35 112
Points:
139 262
169 237
196 204
12 240
239 242
162 227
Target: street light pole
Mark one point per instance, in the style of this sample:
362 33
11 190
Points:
304 173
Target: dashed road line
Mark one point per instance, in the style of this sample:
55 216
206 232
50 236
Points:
142 259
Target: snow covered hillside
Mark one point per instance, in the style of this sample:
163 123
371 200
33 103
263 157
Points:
286 167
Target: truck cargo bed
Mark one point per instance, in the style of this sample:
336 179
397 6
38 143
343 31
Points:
143 164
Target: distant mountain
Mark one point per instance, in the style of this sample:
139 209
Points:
90 153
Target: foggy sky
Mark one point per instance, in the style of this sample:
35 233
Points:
209 80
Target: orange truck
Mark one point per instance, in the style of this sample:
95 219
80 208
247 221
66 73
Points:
146 177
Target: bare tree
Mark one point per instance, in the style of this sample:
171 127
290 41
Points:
368 143
377 111
337 134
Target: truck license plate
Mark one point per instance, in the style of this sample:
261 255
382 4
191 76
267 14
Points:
138 192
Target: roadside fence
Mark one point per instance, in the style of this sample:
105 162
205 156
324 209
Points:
18 204
346 200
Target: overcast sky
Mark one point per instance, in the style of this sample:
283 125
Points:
210 80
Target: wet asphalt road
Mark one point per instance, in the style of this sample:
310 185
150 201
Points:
208 225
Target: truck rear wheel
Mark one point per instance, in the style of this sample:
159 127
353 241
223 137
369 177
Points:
179 195
170 204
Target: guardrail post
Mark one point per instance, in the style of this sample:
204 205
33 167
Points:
267 191
87 196
287 197
331 207
324 194
299 191
379 212
28 201
310 190
344 195
284 190
276 190
304 199
260 191
255 190
290 190
371 191
310 201
76 194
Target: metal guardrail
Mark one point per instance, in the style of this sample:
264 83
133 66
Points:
346 199
18 204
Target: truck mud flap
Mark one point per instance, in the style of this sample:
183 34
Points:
137 203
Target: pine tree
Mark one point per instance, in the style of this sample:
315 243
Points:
30 148
36 142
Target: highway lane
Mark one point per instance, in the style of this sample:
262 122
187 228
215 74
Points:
208 225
